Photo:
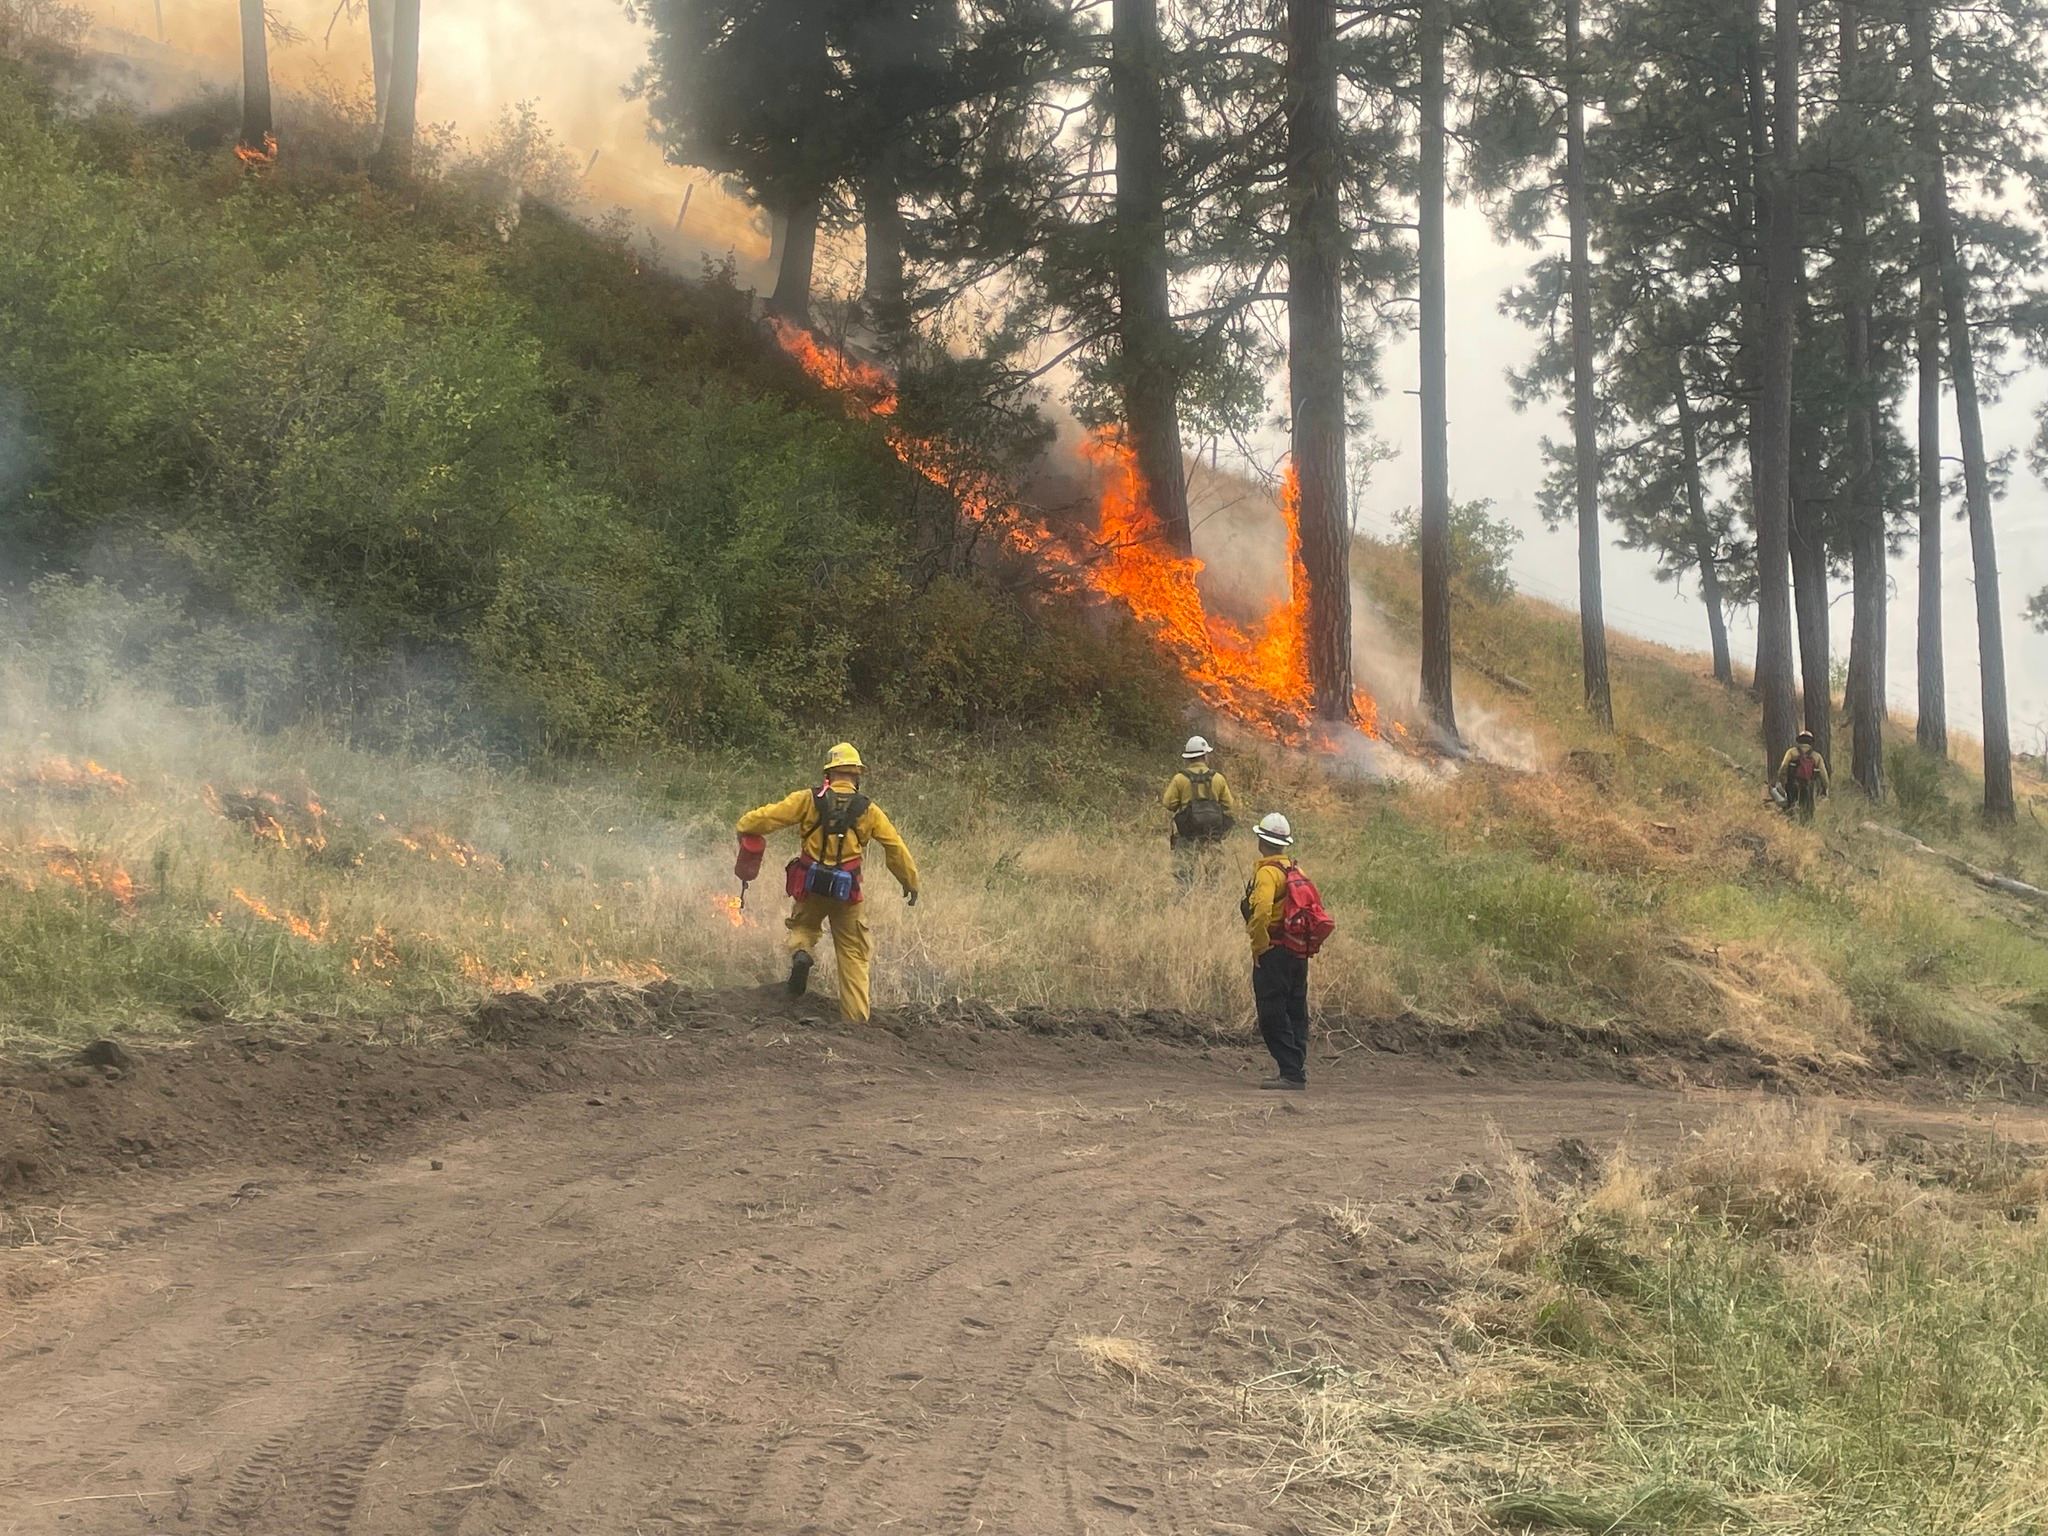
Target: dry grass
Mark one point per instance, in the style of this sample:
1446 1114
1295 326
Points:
1638 888
1778 1328
1128 1360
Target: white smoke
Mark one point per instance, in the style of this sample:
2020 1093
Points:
479 59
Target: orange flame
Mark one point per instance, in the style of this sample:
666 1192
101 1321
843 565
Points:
439 847
297 926
60 776
981 498
374 952
1257 675
269 817
94 876
729 908
479 970
258 159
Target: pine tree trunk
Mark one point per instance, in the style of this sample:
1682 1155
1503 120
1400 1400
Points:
1752 197
1704 553
1585 418
1435 525
1810 592
1772 447
882 221
1962 367
393 163
381 22
257 125
1151 381
1315 345
1866 513
1932 729
792 296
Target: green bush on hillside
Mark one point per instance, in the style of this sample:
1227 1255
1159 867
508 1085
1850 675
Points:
422 446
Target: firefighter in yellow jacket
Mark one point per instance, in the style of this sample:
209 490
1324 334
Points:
1279 968
835 823
1200 809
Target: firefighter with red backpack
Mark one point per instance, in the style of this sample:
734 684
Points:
1287 924
1804 775
836 823
1200 809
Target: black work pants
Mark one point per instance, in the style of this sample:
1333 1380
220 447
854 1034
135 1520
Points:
1280 988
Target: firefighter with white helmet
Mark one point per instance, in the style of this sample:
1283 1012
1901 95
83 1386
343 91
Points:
835 823
1286 922
1199 806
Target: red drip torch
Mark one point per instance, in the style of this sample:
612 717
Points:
747 866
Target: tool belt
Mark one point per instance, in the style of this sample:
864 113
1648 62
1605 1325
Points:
805 876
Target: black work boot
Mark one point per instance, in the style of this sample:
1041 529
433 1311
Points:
800 965
1285 1084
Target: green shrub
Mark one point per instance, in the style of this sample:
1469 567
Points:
1918 789
1481 547
313 451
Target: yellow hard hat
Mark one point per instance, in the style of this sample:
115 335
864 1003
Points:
844 758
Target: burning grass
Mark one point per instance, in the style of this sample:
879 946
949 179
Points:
1048 884
58 866
305 929
59 778
271 818
1639 892
1782 1328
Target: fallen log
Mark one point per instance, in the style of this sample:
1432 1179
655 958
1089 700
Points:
1991 880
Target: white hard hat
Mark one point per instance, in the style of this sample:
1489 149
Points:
1276 830
1198 746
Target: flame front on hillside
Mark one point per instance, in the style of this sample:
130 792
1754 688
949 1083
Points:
1257 675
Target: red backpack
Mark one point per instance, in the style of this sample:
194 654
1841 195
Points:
1305 924
1804 766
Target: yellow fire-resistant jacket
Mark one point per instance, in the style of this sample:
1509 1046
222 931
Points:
800 809
1820 771
1180 791
1262 900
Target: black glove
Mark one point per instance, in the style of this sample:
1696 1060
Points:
909 896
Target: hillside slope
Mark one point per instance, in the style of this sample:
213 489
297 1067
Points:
433 588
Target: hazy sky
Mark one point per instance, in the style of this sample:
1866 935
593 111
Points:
573 59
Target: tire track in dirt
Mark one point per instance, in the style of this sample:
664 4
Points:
309 1478
796 1295
783 1480
988 1368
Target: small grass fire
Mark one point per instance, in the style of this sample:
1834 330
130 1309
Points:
59 865
1256 674
59 778
270 817
311 930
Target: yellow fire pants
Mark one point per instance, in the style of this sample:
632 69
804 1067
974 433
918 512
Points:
850 942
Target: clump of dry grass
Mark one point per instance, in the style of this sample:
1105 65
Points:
1131 1361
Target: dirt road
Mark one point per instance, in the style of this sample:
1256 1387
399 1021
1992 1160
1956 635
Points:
807 1282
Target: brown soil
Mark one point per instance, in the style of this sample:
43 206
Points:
655 1263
